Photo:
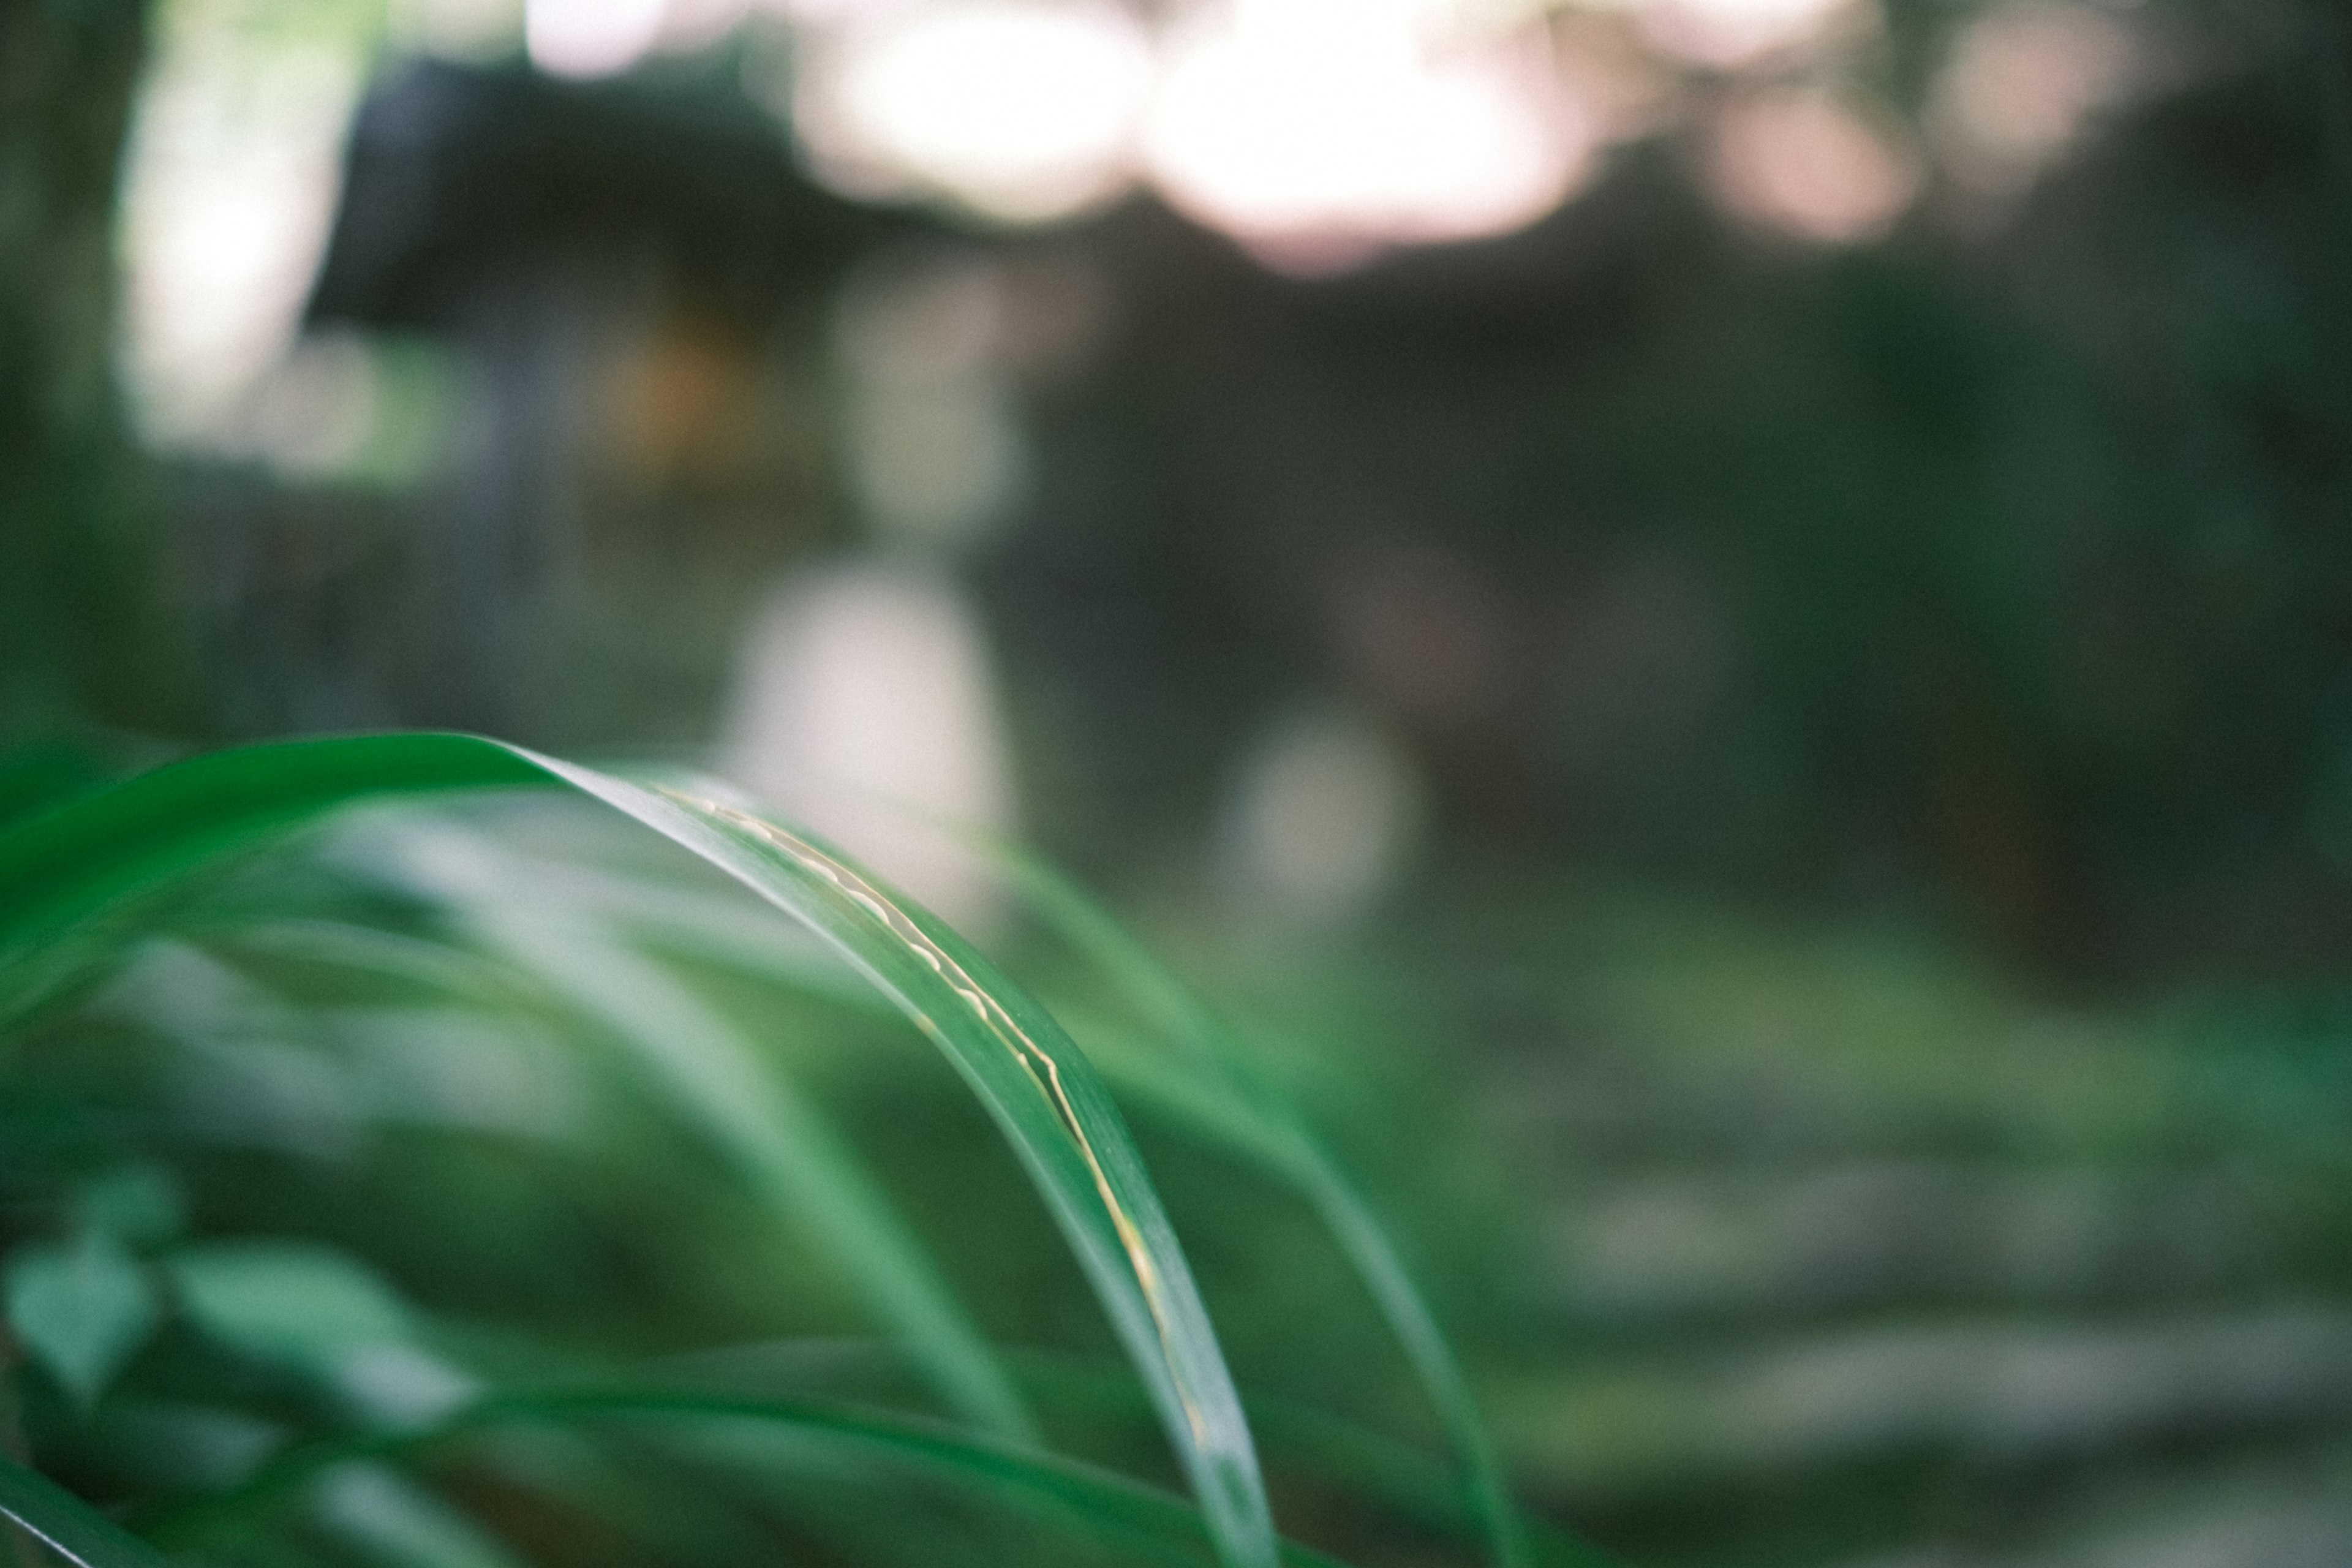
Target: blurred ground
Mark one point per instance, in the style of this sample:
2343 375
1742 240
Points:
1838 1246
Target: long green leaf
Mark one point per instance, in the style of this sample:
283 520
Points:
1371 1464
1059 1119
1267 1124
147 832
1213 1083
1110 1498
792 1155
69 1526
738 1098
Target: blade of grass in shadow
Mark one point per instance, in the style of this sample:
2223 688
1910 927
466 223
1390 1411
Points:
394 962
1056 1112
1063 1384
69 875
1253 1106
72 864
829 1494
747 1106
1113 1501
738 1098
69 1526
1214 1085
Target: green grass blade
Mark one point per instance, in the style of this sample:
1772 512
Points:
69 1526
1051 1106
1399 1475
146 832
1045 1097
798 1163
1253 1115
557 925
1210 1083
1112 1499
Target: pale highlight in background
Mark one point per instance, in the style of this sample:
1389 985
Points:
1802 163
1722 34
864 706
1319 130
315 410
590 37
2022 83
1023 110
1320 818
454 29
230 183
933 445
585 39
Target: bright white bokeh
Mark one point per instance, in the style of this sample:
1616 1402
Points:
1722 34
830 13
1023 110
1323 128
1807 165
230 183
584 38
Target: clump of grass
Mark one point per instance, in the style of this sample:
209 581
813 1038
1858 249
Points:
252 1086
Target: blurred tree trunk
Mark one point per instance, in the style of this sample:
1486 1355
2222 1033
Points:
82 639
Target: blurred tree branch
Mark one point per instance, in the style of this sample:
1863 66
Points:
81 636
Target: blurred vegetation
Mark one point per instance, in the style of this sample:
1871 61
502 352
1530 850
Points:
1856 1057
1999 575
280 1131
81 589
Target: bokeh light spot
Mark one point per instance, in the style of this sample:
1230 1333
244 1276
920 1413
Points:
1022 110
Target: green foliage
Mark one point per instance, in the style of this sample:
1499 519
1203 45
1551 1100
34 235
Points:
374 1166
82 1307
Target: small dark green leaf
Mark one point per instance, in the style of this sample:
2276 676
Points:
82 1309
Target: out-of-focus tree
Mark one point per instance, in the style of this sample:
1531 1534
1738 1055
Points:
81 634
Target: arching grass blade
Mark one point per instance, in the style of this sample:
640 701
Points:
1226 1090
73 863
69 1526
790 1152
1116 1501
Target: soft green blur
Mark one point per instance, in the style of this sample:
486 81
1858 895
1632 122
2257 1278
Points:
1780 800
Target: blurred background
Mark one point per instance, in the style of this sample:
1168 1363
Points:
1754 596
